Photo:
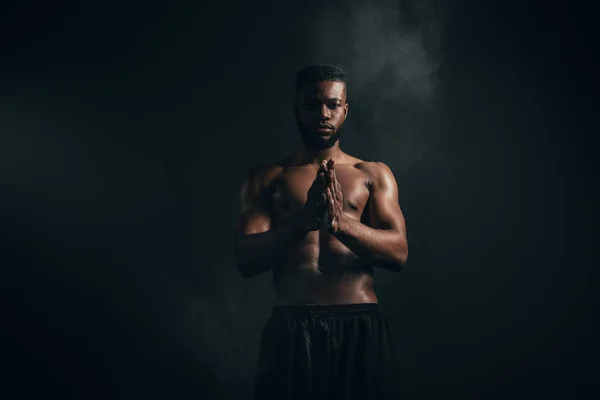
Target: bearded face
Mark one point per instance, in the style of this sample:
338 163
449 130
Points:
315 139
320 112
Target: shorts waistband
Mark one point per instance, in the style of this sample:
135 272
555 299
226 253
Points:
324 310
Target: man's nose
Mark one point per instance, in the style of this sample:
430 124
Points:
324 112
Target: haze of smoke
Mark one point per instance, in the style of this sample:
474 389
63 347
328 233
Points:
392 53
375 40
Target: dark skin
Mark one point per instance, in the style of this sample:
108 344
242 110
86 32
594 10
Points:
321 219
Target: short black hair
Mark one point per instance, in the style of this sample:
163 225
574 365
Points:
317 73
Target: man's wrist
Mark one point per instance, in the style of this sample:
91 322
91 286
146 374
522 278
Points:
342 226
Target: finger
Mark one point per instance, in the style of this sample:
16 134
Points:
338 191
328 180
321 173
333 191
330 163
323 165
322 178
335 179
323 169
331 210
336 186
330 200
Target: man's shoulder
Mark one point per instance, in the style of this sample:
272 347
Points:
264 173
371 166
377 171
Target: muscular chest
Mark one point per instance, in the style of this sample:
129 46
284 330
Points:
289 190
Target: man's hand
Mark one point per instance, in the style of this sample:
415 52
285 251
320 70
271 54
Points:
335 199
315 208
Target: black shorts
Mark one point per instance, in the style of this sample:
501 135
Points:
345 351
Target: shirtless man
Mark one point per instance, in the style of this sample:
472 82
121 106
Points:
322 221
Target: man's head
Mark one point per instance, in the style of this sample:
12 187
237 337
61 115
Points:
320 106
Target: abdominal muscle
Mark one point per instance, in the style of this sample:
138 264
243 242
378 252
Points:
321 270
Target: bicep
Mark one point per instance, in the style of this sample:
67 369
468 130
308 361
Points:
384 209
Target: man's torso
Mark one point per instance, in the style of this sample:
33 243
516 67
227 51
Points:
320 269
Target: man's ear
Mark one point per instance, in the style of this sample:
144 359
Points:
345 111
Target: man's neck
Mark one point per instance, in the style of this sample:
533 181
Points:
308 155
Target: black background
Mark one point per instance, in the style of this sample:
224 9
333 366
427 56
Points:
126 128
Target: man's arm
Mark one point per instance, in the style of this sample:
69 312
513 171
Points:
383 243
258 245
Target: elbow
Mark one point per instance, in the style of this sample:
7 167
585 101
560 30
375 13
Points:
241 269
400 259
403 259
246 262
395 260
246 266
244 270
399 254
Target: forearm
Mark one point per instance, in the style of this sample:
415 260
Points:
384 248
257 253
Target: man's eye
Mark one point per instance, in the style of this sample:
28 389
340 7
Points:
334 106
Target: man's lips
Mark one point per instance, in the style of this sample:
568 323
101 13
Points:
324 128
